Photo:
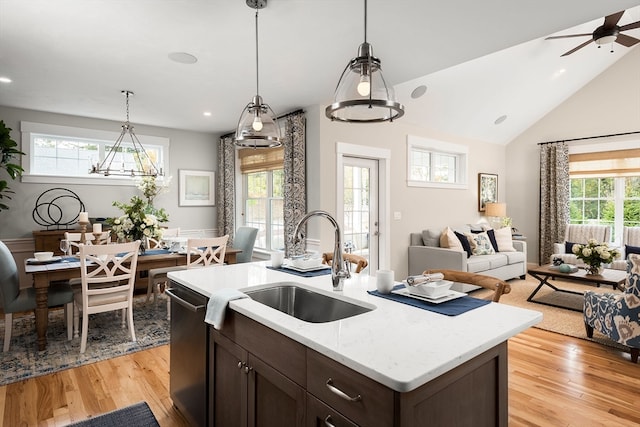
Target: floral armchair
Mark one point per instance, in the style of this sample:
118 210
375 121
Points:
617 315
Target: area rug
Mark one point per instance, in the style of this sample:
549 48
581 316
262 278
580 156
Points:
106 339
558 320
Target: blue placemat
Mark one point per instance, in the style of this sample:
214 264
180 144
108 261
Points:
150 252
449 308
314 273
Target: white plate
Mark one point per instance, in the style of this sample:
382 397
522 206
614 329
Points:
35 261
306 270
451 295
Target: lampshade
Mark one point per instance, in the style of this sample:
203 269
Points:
495 209
258 125
124 156
362 94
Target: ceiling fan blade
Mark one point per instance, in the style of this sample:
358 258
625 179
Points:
610 21
630 26
568 36
577 47
626 40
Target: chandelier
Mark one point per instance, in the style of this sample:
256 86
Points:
126 161
362 95
258 124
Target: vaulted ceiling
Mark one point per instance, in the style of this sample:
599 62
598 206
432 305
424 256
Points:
478 60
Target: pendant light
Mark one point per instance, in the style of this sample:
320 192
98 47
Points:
362 95
144 165
258 125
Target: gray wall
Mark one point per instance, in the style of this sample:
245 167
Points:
188 150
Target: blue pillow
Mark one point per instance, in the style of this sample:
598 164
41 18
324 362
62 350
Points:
465 243
492 239
628 249
568 247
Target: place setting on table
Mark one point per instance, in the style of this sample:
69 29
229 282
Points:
429 292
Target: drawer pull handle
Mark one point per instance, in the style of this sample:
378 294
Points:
341 393
327 422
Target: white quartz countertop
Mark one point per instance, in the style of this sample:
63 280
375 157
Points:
398 345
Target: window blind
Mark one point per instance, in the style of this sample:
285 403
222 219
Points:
253 160
616 163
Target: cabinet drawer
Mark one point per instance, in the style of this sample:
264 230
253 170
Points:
320 415
326 378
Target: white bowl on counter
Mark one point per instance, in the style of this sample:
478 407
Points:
304 263
43 256
434 289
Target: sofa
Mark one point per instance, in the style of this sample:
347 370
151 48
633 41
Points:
428 250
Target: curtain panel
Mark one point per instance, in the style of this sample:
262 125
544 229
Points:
554 197
226 187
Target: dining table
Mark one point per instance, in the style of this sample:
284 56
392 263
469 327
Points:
68 267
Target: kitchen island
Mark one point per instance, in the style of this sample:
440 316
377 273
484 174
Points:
400 352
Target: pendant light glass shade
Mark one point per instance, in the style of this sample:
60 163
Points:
131 161
362 94
258 124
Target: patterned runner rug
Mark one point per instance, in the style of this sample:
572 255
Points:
106 339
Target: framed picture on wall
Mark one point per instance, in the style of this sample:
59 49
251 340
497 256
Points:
196 188
487 190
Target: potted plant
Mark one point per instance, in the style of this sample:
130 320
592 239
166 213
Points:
8 150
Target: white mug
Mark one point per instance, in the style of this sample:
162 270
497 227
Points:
277 258
384 281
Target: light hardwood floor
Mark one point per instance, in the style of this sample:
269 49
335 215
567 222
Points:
554 380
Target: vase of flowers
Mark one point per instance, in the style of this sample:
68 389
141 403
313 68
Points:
138 222
594 254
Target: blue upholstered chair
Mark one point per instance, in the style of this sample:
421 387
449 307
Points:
617 315
244 239
15 300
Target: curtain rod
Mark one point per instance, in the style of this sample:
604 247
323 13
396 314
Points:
299 110
590 137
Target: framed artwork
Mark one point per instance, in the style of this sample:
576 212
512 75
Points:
487 190
196 188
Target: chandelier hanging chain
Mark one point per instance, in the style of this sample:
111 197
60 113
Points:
365 21
257 62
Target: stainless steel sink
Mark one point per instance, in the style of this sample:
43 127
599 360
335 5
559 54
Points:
305 304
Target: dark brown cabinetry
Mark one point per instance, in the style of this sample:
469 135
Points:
49 240
260 377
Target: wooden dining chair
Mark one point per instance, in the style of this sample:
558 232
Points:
159 243
201 252
15 300
108 274
74 238
497 286
359 261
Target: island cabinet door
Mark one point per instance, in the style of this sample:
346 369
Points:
321 415
273 400
227 382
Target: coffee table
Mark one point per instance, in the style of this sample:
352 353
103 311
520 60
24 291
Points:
610 277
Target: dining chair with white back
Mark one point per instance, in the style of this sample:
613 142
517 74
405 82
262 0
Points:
108 274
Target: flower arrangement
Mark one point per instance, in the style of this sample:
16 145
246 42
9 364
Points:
139 221
594 254
151 188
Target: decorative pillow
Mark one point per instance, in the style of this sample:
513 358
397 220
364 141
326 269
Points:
480 244
449 240
431 238
504 239
492 237
464 242
628 249
568 247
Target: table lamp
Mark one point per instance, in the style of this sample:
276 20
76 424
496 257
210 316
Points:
497 211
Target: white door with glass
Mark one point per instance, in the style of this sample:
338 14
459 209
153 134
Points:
360 209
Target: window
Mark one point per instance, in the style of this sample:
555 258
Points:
263 194
605 189
433 163
62 154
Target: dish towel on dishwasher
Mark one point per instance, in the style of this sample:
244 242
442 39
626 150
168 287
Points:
217 305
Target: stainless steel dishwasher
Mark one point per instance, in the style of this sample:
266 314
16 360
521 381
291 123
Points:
188 353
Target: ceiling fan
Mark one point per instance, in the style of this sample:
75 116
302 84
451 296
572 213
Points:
608 32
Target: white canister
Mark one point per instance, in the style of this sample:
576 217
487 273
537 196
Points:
384 281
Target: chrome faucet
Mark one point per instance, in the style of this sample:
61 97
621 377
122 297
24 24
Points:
338 272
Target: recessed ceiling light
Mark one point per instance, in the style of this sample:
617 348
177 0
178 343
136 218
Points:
183 57
500 119
5 80
206 113
418 92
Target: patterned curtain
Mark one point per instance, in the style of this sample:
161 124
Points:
295 186
226 193
554 196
